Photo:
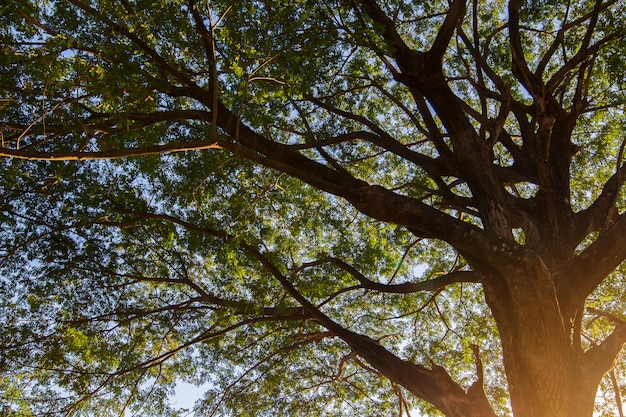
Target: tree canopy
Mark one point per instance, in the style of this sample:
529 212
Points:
313 207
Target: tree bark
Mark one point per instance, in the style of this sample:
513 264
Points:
547 375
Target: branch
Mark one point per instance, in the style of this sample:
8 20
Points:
265 359
477 389
576 23
519 64
372 200
431 285
111 154
205 34
435 167
453 18
125 316
208 38
238 307
389 32
594 218
159 60
616 390
37 23
343 138
107 121
424 77
202 337
579 277
598 360
433 385
576 60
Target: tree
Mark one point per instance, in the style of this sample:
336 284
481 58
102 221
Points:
313 208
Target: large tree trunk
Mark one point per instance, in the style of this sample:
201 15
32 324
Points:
545 373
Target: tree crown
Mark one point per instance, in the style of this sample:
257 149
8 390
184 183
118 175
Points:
328 208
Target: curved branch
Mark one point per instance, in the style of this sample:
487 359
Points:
433 385
578 278
598 360
450 24
594 218
430 285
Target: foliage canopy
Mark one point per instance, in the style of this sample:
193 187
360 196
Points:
313 208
